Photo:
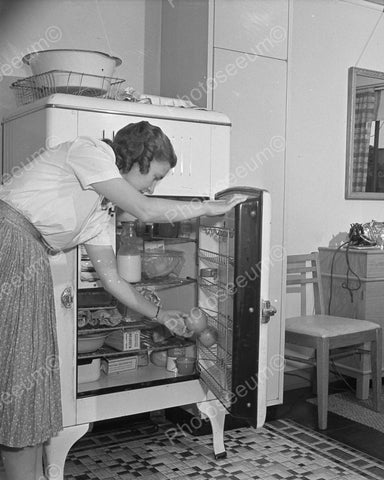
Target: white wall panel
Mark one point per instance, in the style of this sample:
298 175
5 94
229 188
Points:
259 27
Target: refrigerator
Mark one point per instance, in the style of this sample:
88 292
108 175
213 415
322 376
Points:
224 273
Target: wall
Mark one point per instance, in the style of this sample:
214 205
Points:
189 21
326 38
129 29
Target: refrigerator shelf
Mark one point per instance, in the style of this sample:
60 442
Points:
224 326
219 233
146 345
143 377
218 319
216 365
218 356
157 284
171 240
215 258
219 289
104 307
164 283
106 329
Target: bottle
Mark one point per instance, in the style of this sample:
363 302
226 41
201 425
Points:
129 253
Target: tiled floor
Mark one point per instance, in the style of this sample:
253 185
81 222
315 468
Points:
288 447
355 435
280 450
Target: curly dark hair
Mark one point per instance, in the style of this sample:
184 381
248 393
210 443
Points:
141 143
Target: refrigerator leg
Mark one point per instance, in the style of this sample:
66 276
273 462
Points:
215 411
56 450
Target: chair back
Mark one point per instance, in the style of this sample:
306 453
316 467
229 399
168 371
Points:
303 270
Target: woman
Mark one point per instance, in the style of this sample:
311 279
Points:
54 204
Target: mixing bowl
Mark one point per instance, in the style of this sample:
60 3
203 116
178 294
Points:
89 68
160 264
90 343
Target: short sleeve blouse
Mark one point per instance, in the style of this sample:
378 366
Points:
54 191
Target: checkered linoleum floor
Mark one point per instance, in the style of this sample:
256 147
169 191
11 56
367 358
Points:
281 450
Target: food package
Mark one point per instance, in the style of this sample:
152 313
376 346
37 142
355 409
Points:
109 318
112 366
83 318
124 340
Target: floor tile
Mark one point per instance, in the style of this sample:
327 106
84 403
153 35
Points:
281 450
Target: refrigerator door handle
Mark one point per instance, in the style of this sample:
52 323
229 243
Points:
267 311
67 297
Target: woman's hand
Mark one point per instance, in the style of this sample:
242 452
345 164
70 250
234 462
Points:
174 321
220 207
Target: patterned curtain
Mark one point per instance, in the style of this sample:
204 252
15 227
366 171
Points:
365 112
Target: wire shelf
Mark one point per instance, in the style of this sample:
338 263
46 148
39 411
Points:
217 367
30 89
219 233
217 319
218 289
216 258
224 327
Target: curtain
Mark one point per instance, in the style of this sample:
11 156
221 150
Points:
365 113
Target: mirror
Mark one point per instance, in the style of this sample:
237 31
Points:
365 135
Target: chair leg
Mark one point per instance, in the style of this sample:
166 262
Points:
376 368
362 386
362 380
322 370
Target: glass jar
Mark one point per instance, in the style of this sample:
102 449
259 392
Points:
209 274
129 253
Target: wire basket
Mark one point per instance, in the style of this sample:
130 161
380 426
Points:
30 89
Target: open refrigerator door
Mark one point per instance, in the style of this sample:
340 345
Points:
233 256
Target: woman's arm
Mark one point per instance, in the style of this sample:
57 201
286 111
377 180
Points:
150 209
104 261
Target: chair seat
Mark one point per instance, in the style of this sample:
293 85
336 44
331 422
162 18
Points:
327 326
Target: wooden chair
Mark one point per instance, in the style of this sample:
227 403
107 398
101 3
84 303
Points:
329 336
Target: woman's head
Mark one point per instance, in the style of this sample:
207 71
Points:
139 144
144 155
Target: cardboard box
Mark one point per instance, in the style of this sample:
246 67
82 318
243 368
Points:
124 340
119 365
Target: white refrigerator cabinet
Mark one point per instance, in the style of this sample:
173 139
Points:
201 141
200 138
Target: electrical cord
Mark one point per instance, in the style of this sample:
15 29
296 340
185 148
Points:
331 274
341 376
346 285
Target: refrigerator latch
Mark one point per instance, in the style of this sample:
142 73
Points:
267 311
67 297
